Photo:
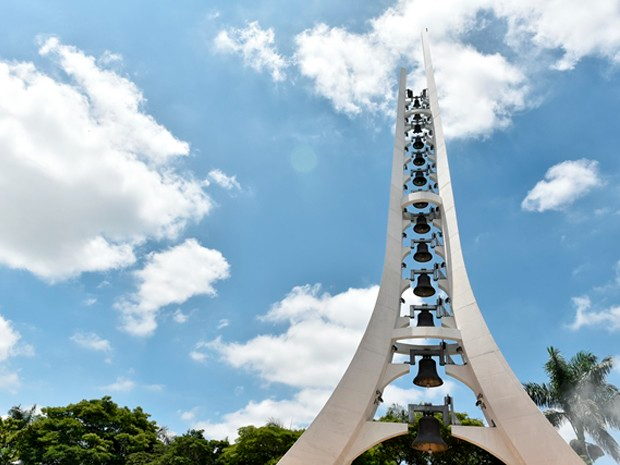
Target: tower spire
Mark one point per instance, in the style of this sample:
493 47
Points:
421 215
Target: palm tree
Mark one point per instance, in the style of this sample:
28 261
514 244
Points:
578 392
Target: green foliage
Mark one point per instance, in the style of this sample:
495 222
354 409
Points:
259 446
578 392
192 449
91 432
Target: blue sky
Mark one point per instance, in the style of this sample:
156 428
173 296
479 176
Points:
194 196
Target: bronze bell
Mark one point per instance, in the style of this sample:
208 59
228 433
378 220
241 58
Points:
419 179
420 205
421 225
419 160
422 254
417 129
424 287
416 103
425 318
429 435
427 373
418 144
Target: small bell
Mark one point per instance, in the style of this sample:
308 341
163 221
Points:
422 254
416 103
417 129
419 160
421 225
417 143
420 205
425 319
429 435
419 179
424 287
427 373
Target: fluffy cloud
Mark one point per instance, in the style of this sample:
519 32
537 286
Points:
576 28
82 152
222 180
256 46
171 277
479 91
8 339
121 384
10 347
296 412
354 71
608 318
323 332
563 184
92 341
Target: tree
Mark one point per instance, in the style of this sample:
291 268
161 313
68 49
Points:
10 431
578 392
192 449
260 446
91 432
398 451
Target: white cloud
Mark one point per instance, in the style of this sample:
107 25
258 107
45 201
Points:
563 184
83 152
92 341
171 277
121 384
223 180
180 317
576 28
256 46
294 413
608 318
479 92
8 339
354 71
223 323
189 415
199 353
323 332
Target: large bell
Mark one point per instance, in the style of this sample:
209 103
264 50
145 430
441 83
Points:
418 144
417 129
421 225
422 254
429 436
427 373
419 160
424 287
419 179
425 318
420 205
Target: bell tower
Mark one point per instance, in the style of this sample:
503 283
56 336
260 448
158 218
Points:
423 252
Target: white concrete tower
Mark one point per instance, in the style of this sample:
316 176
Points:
423 251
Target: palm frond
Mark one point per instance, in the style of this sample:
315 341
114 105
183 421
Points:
555 417
541 394
606 442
